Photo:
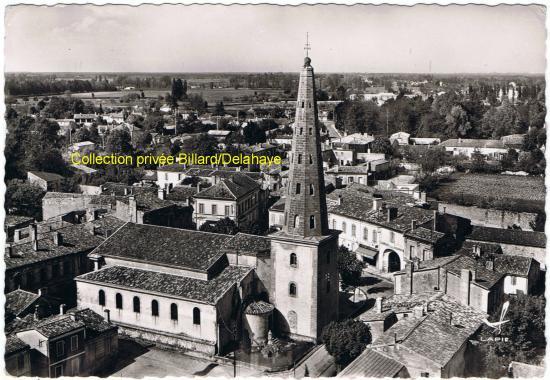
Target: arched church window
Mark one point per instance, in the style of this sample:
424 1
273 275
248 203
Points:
293 260
312 221
174 312
101 297
292 289
310 159
196 316
154 308
296 221
301 131
118 301
299 158
303 104
298 188
311 190
137 305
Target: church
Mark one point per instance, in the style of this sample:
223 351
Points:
203 292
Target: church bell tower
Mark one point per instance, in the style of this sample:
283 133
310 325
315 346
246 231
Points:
304 285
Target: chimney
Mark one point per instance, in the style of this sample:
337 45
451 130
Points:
391 213
107 315
465 278
161 194
423 196
57 238
126 191
36 312
62 309
16 235
35 245
413 225
451 319
42 291
379 305
91 215
33 232
418 311
434 227
9 250
198 187
376 203
133 209
339 199
476 249
490 264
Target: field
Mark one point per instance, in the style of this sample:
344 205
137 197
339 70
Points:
515 193
227 95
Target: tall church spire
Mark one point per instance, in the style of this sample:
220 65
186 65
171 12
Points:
305 207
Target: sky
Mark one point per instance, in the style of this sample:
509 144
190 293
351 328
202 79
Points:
266 38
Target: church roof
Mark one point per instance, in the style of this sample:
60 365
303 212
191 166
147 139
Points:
188 249
248 243
205 291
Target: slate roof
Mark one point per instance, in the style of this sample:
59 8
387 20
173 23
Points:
189 249
373 364
178 286
248 243
484 277
14 345
46 176
508 236
14 220
18 300
76 238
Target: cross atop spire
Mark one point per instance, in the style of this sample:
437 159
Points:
307 48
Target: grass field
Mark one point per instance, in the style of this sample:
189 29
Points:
210 95
493 190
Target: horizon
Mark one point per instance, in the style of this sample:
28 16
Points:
381 39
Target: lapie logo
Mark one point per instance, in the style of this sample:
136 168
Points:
497 326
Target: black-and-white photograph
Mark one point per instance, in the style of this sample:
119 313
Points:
268 190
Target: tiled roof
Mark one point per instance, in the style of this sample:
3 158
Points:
259 307
18 300
248 243
508 236
473 143
56 325
76 238
178 286
373 364
357 204
181 193
425 234
483 277
233 188
147 199
95 323
14 220
165 245
14 345
513 265
46 176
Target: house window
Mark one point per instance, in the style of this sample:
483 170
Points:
333 224
174 312
60 348
298 188
301 130
311 131
374 236
196 316
118 301
353 230
137 305
392 237
312 221
201 208
424 374
311 190
214 209
350 179
293 260
365 234
74 343
226 210
412 253
513 279
292 289
75 366
344 227
299 158
101 297
155 308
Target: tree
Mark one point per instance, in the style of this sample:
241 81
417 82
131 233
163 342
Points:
478 162
349 267
119 142
219 109
253 134
382 145
225 226
24 198
346 340
432 159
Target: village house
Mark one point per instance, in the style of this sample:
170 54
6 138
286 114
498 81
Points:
491 149
400 138
239 198
83 147
20 303
15 222
17 357
86 119
44 180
